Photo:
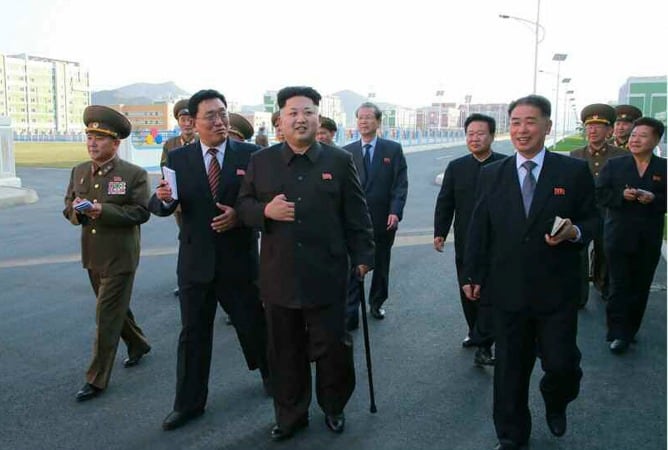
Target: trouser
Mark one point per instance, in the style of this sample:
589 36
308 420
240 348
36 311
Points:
297 337
114 320
517 335
198 311
380 278
631 275
478 314
599 268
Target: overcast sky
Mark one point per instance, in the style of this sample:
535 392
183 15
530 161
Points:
402 53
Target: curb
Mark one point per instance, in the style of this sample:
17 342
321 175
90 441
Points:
14 196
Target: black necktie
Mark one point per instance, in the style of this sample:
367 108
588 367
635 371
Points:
528 185
367 161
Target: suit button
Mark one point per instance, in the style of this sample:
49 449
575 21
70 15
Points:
299 221
596 163
300 178
93 231
526 239
97 186
299 199
299 244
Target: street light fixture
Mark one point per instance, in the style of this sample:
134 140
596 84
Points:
566 94
539 29
558 57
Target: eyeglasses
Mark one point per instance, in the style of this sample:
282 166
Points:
212 116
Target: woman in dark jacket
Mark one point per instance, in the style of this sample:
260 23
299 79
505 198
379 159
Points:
632 188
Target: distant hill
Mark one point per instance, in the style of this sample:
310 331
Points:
139 93
349 102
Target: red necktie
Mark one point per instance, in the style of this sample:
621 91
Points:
214 172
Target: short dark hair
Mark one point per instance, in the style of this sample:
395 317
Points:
475 117
658 128
328 123
376 110
297 91
199 96
537 101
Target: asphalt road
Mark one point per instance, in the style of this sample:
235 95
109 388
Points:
429 394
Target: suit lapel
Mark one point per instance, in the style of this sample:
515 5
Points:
198 168
376 162
515 200
543 187
356 151
229 170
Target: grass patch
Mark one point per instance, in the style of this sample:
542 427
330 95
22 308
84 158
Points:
569 143
50 154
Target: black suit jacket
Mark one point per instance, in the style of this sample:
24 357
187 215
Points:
630 224
387 186
506 252
457 198
305 262
203 253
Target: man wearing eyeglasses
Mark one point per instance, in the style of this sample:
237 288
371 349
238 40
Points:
382 169
218 255
456 200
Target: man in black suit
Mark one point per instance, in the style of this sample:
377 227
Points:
381 166
306 198
456 200
530 271
218 255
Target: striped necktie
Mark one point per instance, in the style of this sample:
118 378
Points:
214 173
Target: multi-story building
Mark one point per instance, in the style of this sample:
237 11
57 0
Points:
143 118
646 93
43 95
498 111
438 116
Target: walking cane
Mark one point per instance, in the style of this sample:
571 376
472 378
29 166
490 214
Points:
367 348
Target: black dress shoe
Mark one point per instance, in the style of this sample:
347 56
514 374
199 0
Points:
176 292
279 433
377 312
619 346
468 342
336 422
134 360
483 357
176 419
87 392
556 422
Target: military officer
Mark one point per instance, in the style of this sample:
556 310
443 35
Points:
625 116
276 123
597 119
240 128
326 131
187 136
108 198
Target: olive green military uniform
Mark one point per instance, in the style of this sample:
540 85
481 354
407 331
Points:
240 127
625 113
110 248
180 108
596 159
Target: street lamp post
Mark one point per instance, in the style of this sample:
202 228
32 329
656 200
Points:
558 57
538 30
566 94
